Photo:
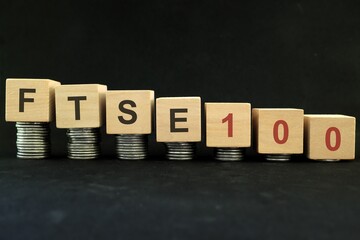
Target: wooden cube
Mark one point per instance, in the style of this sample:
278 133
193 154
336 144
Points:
178 119
129 112
228 124
278 130
80 106
330 137
30 100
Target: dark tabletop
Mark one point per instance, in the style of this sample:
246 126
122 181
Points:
158 199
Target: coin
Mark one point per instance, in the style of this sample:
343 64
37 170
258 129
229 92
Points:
83 143
278 157
229 154
131 146
180 150
33 140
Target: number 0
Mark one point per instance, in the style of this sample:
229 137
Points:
229 120
276 132
337 139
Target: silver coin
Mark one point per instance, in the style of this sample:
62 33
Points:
33 140
131 146
89 149
178 153
35 127
32 133
83 130
83 143
83 136
133 154
26 155
32 143
131 157
180 150
30 137
32 125
330 160
83 156
33 147
45 133
29 154
32 157
30 130
39 150
80 138
131 141
278 157
178 158
92 153
229 154
84 151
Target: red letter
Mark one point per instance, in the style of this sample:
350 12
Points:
229 119
328 136
276 132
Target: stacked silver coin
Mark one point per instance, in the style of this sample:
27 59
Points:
83 143
33 140
180 150
278 157
229 154
330 160
131 146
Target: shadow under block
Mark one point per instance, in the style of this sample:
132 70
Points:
80 106
30 100
278 130
330 137
178 119
228 124
129 112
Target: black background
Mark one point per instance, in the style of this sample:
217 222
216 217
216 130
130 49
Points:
269 53
303 54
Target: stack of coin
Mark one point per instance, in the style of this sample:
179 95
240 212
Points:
180 150
33 140
278 157
229 154
131 146
84 143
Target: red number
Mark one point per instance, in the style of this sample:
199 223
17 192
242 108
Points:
276 132
337 137
229 119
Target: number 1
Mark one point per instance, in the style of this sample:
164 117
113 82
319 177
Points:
229 119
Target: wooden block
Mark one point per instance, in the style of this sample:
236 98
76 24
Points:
278 130
30 100
178 119
228 124
80 106
129 112
330 136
